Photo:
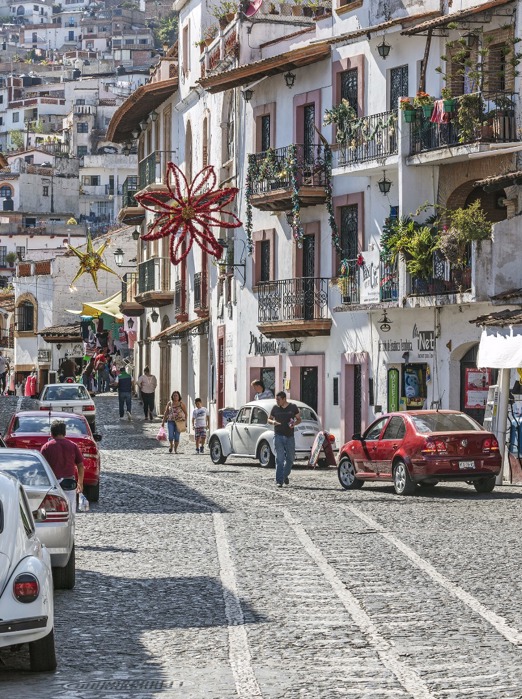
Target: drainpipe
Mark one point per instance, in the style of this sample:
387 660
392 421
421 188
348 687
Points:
422 80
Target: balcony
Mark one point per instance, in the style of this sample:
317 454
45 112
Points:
129 291
274 176
293 307
180 301
371 138
152 170
446 279
478 125
389 280
131 212
200 294
154 283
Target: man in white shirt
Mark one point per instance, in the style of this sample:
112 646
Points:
200 423
147 383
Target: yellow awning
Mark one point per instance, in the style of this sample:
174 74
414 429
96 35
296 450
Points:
110 307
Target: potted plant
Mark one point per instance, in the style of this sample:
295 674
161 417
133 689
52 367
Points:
343 116
425 102
470 117
297 10
449 101
201 44
410 113
210 34
11 258
224 12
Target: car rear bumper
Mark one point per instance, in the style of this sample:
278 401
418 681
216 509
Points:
454 469
29 624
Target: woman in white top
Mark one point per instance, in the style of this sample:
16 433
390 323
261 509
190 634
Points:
147 383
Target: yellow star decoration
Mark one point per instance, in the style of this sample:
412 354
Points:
91 261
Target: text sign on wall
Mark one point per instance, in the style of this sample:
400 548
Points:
369 277
393 390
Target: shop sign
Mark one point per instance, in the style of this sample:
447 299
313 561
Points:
369 277
476 388
44 355
393 390
425 344
258 345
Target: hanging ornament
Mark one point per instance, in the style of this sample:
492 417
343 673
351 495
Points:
91 261
190 213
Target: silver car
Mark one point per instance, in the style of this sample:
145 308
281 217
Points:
68 398
56 528
250 435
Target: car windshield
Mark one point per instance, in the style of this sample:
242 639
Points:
59 393
307 414
439 422
41 424
27 468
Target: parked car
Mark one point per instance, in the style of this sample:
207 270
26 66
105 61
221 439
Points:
250 435
68 398
31 429
421 447
26 582
43 491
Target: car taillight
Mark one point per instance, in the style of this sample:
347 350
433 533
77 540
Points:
56 507
46 409
490 444
89 450
435 446
26 588
88 408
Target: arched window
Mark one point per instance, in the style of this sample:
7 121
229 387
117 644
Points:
20 10
6 192
25 317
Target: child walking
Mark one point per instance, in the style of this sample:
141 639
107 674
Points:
200 423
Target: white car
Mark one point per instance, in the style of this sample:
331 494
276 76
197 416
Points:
56 531
250 435
68 398
26 581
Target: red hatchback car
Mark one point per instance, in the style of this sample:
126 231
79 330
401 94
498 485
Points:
32 429
421 447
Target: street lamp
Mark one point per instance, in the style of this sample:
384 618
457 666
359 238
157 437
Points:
135 234
383 49
295 345
118 257
289 79
130 323
154 316
247 94
384 184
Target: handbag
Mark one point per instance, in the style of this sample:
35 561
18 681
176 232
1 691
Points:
181 425
162 435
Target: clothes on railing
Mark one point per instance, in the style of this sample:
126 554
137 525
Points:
439 116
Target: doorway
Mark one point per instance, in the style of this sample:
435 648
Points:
468 367
308 271
309 386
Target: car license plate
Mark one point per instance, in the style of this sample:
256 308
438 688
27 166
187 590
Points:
466 464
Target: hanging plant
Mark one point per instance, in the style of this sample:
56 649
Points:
297 228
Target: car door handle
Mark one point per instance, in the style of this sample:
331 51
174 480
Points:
395 446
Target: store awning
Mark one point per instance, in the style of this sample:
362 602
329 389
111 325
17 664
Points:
179 328
500 344
242 75
61 333
137 107
460 15
109 306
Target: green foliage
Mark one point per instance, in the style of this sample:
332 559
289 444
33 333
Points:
17 138
167 30
224 8
414 242
351 130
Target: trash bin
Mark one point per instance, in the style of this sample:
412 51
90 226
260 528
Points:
227 415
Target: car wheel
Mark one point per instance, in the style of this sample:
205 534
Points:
42 654
346 474
65 578
484 485
216 451
401 479
265 456
92 492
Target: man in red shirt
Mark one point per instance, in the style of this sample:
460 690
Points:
65 459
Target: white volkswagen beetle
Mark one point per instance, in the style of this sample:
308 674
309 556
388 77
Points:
250 435
26 580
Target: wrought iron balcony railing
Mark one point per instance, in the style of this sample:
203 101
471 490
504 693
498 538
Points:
152 169
129 287
446 278
389 279
349 282
129 189
477 117
293 299
154 275
277 168
198 291
369 138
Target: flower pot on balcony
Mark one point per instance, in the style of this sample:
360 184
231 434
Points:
297 10
410 115
427 110
449 105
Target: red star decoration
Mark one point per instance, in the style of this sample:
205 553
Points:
190 213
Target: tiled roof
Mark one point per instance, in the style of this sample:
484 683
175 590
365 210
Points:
454 17
500 181
500 319
62 331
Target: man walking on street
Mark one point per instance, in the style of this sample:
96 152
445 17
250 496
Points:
284 417
124 393
200 423
260 390
147 383
4 367
66 461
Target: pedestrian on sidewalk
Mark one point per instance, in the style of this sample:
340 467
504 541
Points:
125 394
260 390
66 461
175 415
200 423
284 416
102 372
147 383
4 368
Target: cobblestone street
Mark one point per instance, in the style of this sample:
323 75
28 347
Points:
197 581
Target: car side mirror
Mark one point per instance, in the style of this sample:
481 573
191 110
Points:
97 437
40 515
357 437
